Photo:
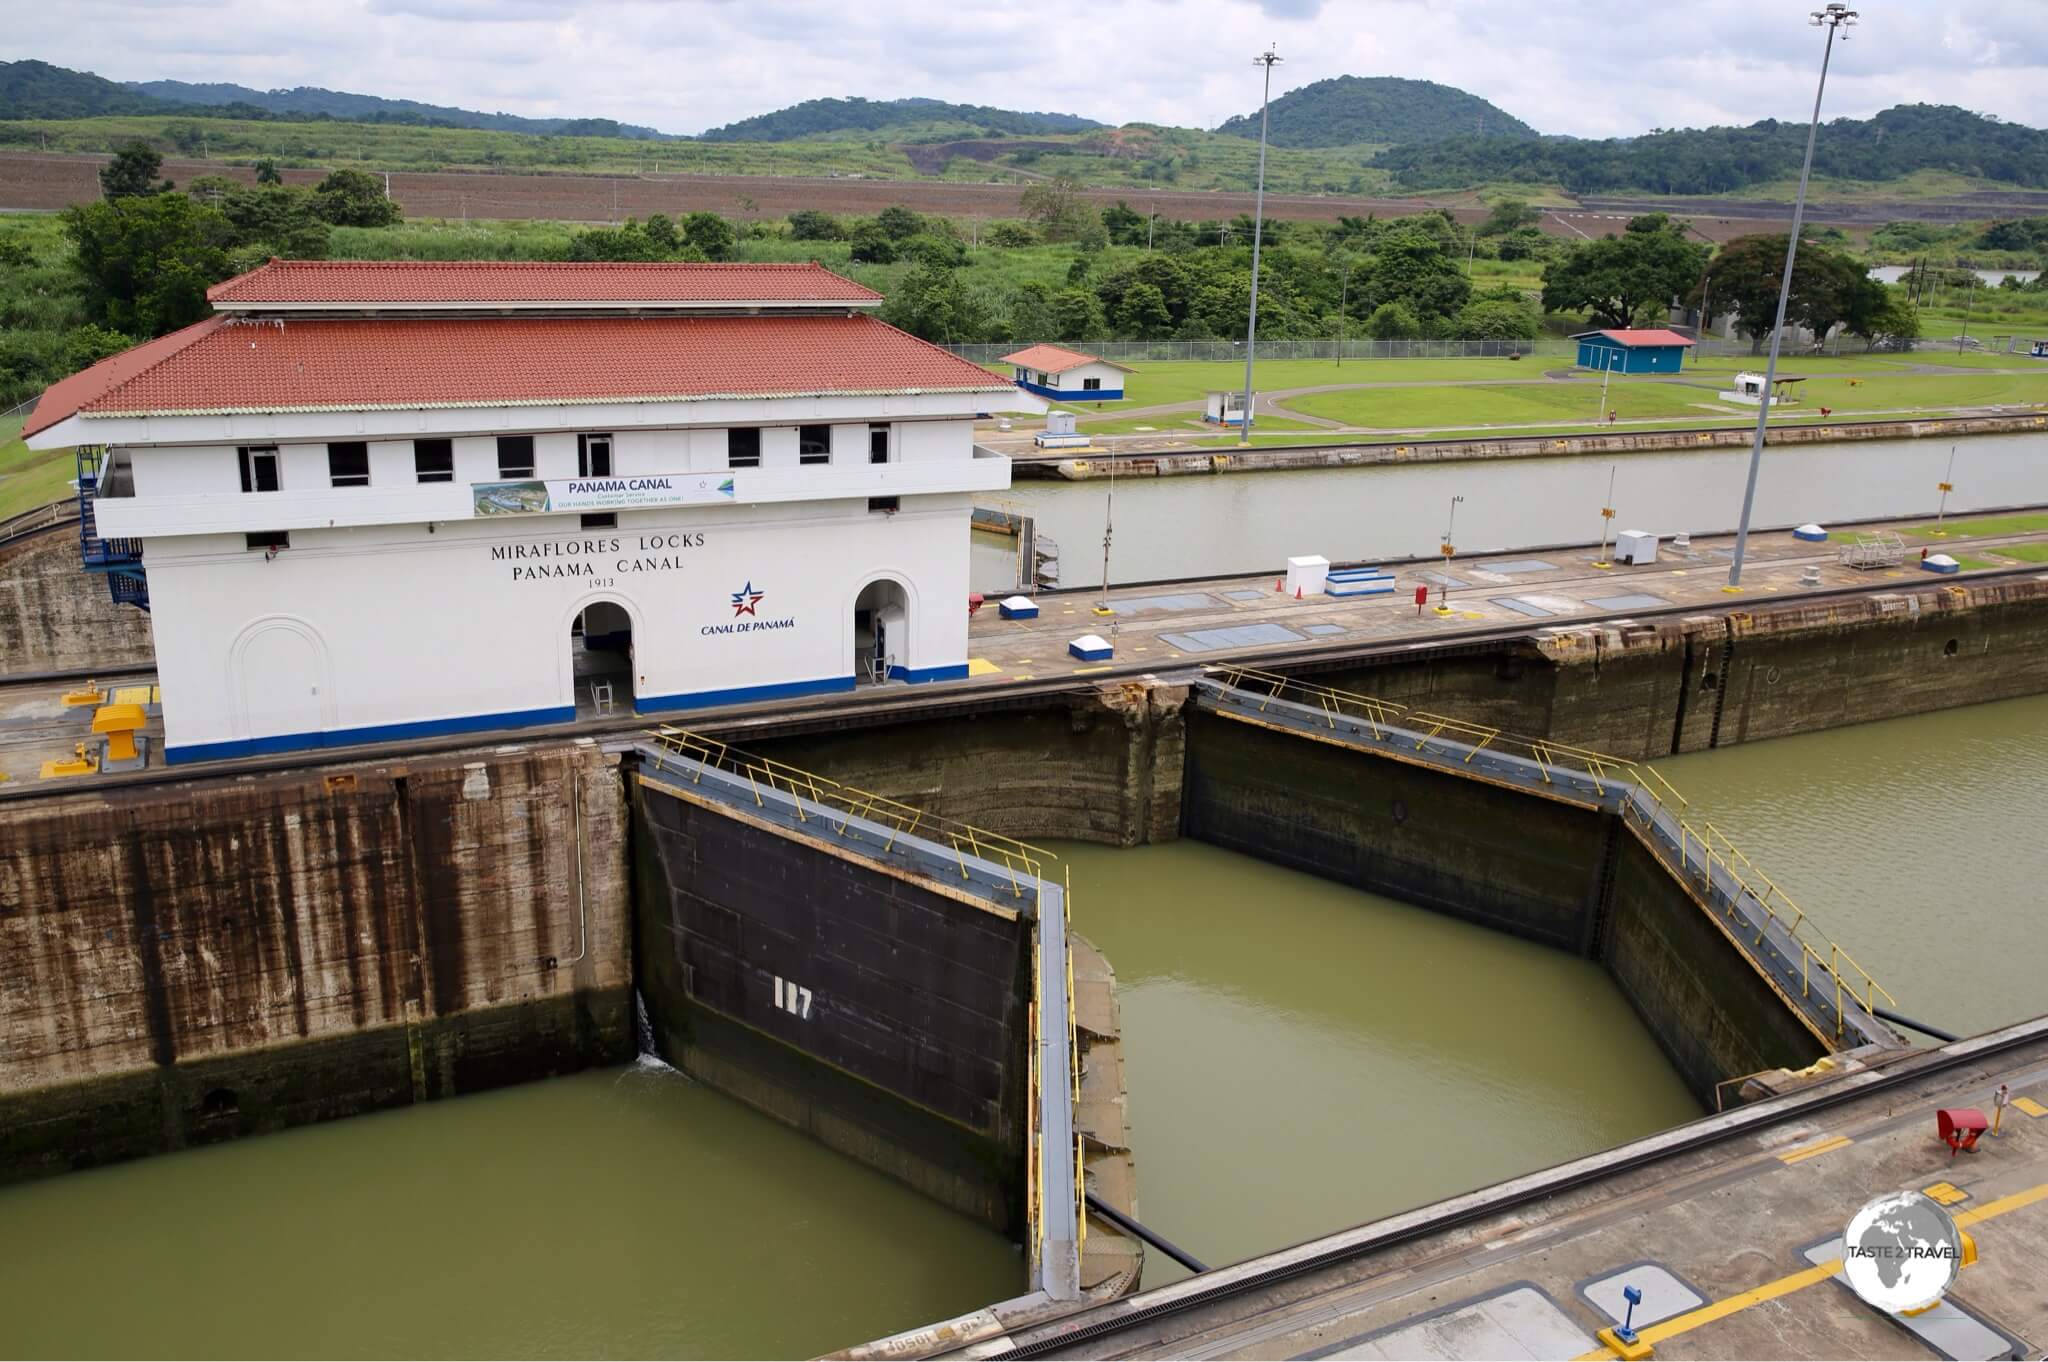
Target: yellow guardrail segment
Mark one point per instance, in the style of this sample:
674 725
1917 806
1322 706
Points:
1702 847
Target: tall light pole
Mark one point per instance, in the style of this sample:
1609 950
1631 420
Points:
1268 60
1343 305
1834 19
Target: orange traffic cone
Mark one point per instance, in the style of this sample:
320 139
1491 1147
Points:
1297 593
1278 585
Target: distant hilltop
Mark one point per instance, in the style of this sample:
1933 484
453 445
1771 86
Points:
1353 109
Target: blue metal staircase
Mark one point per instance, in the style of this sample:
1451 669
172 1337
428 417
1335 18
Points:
119 559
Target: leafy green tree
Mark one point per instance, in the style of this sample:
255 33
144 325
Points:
355 198
1410 266
15 255
268 173
1077 315
132 173
1125 224
1392 321
1495 319
899 223
1509 215
1142 313
806 225
1827 287
1894 325
275 221
1010 235
932 302
933 250
1055 207
1031 314
710 235
1619 279
147 260
85 346
871 245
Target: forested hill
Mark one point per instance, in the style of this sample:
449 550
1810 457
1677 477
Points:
820 117
1351 109
36 89
340 104
1896 142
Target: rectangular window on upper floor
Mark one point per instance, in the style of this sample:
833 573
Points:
259 468
1090 384
878 444
743 448
268 539
601 520
593 456
433 460
348 464
515 456
814 444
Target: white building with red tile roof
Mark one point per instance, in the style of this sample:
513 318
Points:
1066 375
376 500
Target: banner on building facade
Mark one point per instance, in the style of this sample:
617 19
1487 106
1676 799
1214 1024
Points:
599 494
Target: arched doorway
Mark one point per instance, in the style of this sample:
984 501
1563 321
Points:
281 679
601 658
881 632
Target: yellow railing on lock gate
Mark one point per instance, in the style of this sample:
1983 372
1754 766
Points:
1702 849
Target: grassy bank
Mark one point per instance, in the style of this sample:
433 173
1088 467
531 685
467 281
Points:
30 477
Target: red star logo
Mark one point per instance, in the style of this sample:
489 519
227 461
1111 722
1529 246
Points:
745 599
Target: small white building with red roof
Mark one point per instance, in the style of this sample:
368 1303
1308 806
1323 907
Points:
373 500
1066 375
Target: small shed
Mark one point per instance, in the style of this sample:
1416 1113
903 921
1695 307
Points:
1634 351
1067 375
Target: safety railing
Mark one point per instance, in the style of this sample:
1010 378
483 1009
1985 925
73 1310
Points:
1700 853
1021 862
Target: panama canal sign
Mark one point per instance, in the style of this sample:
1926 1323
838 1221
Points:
536 496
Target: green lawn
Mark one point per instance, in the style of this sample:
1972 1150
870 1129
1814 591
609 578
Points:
30 477
1401 408
1181 423
1980 527
1152 385
2024 553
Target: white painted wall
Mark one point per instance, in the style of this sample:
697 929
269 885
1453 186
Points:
360 628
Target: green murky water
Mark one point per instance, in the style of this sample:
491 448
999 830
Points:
1300 1057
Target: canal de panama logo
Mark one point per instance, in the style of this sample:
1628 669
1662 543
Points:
745 599
746 614
1901 1252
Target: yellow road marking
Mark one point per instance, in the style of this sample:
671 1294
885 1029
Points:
1083 671
1826 1146
981 666
2030 1106
1798 1281
1021 676
1947 1193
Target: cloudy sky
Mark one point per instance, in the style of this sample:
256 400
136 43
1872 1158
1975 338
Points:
1592 68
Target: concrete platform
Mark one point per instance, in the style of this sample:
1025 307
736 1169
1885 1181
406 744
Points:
1714 1220
1170 626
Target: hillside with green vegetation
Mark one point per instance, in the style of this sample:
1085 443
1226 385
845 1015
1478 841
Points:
1384 109
311 101
824 117
1898 142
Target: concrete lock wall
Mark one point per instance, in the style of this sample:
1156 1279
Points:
877 1012
55 617
1104 766
1559 873
240 956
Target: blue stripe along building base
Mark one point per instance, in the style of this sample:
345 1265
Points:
351 737
740 695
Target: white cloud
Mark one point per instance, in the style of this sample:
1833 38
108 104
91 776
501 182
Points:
1595 68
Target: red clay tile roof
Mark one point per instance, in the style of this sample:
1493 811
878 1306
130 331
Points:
67 395
1641 336
354 283
329 364
1054 359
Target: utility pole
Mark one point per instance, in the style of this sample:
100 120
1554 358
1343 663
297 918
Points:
1969 301
1268 60
1835 18
1343 311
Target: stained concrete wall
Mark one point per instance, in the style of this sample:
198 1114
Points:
1686 684
1564 874
1103 766
55 616
876 1011
183 964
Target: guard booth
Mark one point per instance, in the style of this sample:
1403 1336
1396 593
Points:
1225 409
1749 388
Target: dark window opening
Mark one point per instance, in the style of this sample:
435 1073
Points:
1090 384
268 539
601 520
593 456
348 464
259 468
878 444
886 505
814 444
433 460
515 456
743 448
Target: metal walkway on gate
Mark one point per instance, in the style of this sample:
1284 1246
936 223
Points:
1837 995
